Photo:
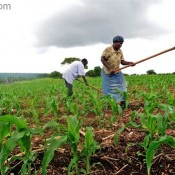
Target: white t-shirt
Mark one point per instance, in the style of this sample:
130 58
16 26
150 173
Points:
76 68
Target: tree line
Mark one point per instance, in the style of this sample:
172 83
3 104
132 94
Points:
55 74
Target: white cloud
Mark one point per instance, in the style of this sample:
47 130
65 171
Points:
19 51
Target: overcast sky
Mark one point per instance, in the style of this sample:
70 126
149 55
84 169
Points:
36 35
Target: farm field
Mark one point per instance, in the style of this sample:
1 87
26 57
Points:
44 132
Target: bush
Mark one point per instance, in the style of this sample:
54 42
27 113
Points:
55 74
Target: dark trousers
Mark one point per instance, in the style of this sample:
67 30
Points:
69 88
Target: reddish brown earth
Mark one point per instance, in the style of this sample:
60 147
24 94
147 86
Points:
110 159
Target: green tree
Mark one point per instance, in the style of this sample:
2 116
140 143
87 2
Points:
69 60
151 72
90 73
97 71
94 73
55 74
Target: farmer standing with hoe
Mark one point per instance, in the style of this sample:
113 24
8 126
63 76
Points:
114 82
76 69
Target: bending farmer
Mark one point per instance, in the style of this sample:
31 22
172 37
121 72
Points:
76 69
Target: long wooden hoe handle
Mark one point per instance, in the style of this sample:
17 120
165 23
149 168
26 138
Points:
147 58
91 86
